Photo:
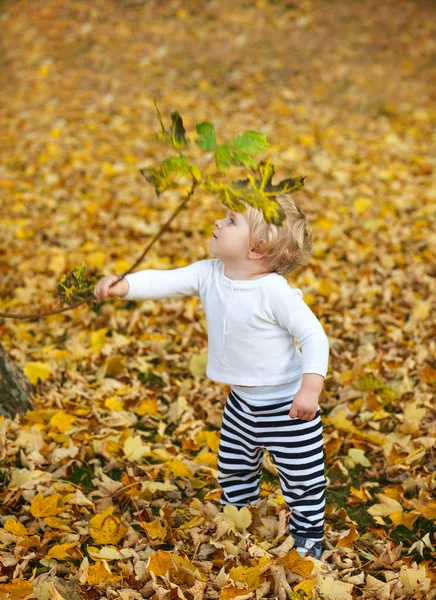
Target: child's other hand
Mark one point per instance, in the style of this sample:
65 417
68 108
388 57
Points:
103 288
304 405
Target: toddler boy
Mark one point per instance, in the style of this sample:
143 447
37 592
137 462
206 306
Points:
252 315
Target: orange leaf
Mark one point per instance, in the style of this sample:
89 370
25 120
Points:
233 593
348 540
17 589
295 563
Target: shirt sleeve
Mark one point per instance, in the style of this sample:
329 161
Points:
152 284
293 314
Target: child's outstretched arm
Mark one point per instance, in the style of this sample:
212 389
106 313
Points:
153 284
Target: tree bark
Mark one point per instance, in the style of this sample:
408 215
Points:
15 388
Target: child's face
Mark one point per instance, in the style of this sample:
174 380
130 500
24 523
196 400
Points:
230 240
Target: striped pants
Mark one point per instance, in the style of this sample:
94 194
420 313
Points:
296 448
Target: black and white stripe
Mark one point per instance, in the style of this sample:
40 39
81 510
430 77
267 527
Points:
297 450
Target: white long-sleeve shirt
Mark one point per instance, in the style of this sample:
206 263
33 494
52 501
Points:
251 323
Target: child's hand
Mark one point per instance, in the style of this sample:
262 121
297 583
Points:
304 405
103 289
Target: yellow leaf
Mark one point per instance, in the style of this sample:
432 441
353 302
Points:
105 528
178 468
340 421
412 418
114 365
327 288
101 573
24 233
251 576
160 563
62 421
105 553
421 309
37 370
98 339
17 589
147 407
210 437
44 70
62 551
209 458
324 224
386 507
406 519
15 527
241 518
195 522
134 449
155 530
114 404
45 507
362 204
158 486
197 365
305 586
292 561
358 457
57 523
307 140
429 510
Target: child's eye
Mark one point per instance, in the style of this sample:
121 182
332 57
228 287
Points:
232 220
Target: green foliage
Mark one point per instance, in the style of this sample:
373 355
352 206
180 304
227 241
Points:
238 152
175 137
74 288
260 193
164 177
207 141
5 478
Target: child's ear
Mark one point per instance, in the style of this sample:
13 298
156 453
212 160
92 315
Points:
258 251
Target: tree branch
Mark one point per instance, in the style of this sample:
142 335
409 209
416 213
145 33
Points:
40 315
164 227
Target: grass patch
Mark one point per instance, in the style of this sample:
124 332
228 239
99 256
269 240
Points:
82 476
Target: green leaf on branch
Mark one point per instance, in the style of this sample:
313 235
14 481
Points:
175 137
238 152
75 288
207 141
164 176
260 193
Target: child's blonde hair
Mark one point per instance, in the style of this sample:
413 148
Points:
289 245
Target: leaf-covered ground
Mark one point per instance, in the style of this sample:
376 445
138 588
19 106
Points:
108 487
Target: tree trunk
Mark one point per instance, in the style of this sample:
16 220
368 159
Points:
15 388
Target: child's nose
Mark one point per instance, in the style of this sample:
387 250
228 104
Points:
217 223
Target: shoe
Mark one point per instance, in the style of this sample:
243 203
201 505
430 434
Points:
307 547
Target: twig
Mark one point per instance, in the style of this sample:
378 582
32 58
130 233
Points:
164 227
40 315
